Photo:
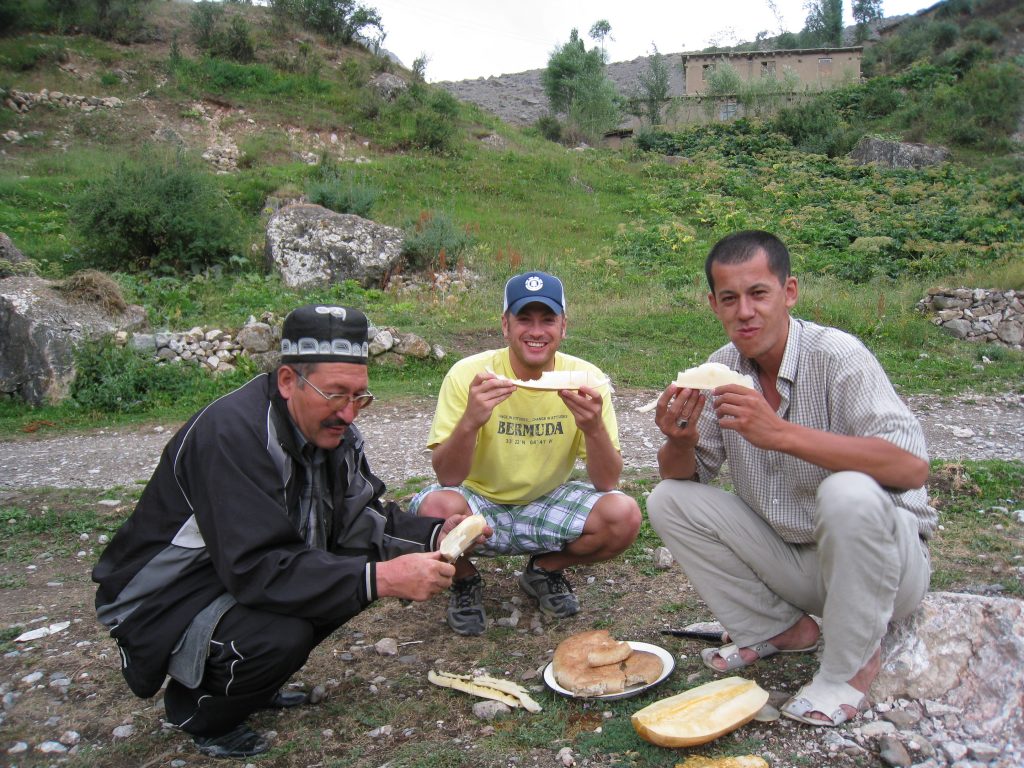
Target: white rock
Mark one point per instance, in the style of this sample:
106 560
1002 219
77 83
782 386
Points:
51 748
123 731
488 710
386 646
70 738
18 748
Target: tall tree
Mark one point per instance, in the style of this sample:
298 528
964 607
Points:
600 31
651 91
824 25
576 85
864 12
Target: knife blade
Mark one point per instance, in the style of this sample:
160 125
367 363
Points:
695 634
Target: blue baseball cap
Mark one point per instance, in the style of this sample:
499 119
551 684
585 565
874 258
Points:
531 287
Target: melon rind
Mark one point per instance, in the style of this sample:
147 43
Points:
700 714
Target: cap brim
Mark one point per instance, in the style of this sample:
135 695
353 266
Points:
518 306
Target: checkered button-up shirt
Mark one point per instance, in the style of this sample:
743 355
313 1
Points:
828 381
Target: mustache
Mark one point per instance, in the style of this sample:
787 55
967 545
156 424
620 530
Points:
334 422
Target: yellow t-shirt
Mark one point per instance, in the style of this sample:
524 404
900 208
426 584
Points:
530 444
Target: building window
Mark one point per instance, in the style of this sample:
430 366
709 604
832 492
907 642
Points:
825 66
767 69
727 109
706 71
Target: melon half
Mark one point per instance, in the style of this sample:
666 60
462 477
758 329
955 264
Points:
700 714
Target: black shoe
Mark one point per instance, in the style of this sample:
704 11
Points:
240 741
287 699
550 589
466 606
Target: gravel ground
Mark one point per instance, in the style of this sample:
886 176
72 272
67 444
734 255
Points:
960 427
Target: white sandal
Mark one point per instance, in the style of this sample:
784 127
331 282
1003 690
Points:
826 698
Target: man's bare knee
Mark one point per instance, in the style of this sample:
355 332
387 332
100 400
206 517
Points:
443 504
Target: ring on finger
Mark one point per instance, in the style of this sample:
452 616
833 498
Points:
681 423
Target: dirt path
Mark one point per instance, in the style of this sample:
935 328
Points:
962 427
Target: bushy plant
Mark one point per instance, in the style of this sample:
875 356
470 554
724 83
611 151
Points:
162 214
817 127
653 140
235 42
343 194
340 20
984 31
549 127
435 122
118 380
434 241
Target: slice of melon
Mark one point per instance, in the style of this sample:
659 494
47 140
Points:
462 537
700 714
555 380
711 375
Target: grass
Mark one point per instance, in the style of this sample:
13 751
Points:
626 230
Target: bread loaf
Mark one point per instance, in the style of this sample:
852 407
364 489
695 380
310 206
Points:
573 668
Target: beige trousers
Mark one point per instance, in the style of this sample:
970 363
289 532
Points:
867 565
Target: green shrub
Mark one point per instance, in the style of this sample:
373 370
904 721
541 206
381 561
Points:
118 380
435 125
817 127
653 140
343 194
943 35
434 241
984 31
21 55
162 214
549 127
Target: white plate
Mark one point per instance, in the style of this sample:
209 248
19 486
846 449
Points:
668 663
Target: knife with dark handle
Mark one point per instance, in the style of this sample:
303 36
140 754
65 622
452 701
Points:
695 634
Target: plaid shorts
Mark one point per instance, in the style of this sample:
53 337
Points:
546 524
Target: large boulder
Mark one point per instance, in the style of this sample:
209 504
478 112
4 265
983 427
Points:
312 246
41 328
897 154
965 651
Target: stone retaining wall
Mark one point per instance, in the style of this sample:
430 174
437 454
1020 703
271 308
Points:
977 314
218 351
23 101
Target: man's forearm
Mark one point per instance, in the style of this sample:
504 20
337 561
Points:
453 459
677 461
604 463
887 463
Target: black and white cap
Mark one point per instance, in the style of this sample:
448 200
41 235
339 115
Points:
319 333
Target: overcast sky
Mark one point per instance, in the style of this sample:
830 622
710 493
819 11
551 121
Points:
465 39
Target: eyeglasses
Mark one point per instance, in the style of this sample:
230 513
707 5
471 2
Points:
338 401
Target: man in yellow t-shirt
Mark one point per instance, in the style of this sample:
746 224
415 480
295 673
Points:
506 451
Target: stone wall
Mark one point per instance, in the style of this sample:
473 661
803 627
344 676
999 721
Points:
977 314
218 351
23 101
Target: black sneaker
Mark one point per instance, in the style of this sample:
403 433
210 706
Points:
550 589
287 699
240 741
466 614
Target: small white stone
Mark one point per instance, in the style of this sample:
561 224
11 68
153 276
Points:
51 748
123 731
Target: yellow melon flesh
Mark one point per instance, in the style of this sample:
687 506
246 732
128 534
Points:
700 714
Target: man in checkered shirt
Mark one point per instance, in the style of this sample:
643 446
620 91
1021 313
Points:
829 517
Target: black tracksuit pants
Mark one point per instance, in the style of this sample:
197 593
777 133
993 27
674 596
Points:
252 654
